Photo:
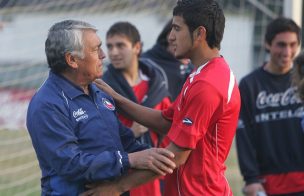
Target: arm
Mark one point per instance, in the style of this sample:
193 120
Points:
137 177
146 116
183 134
57 147
156 159
245 148
138 129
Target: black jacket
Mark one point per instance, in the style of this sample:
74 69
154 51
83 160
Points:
158 87
158 84
175 71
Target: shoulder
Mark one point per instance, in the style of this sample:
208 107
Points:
48 96
148 62
216 73
110 74
216 77
150 66
253 76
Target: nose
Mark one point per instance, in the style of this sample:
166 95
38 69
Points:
113 51
288 51
101 54
171 37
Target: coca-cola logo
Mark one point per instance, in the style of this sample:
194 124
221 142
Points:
288 97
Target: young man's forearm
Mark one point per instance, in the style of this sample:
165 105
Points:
138 177
146 116
134 179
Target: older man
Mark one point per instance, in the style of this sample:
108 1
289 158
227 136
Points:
73 125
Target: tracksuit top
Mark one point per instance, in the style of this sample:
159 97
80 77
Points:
77 137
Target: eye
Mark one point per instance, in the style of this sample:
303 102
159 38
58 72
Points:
294 45
120 45
109 46
281 44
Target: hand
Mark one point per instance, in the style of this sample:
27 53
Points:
102 189
138 129
185 61
105 87
159 160
253 189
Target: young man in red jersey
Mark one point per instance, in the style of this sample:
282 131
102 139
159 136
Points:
201 123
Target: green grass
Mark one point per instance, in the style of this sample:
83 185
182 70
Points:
19 170
20 173
233 173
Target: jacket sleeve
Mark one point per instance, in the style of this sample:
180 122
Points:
57 147
129 142
245 137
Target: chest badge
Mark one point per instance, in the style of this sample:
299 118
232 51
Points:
108 104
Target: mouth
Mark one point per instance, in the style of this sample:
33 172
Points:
116 60
286 60
100 64
174 47
116 63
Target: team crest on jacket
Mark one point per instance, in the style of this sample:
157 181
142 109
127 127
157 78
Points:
187 121
108 104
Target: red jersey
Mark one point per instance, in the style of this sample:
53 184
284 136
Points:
204 119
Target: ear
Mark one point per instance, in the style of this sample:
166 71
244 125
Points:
138 47
200 33
71 60
267 46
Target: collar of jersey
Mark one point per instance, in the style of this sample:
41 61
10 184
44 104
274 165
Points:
70 89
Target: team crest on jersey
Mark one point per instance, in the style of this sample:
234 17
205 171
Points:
187 121
108 104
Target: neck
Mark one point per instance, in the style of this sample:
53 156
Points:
276 69
131 74
203 56
77 80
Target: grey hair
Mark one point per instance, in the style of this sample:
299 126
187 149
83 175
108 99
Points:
65 37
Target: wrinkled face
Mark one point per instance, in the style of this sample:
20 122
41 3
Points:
122 53
180 38
283 49
90 67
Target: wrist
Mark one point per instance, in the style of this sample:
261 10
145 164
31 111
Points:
132 160
117 97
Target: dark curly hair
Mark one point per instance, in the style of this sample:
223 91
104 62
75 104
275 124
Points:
206 13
